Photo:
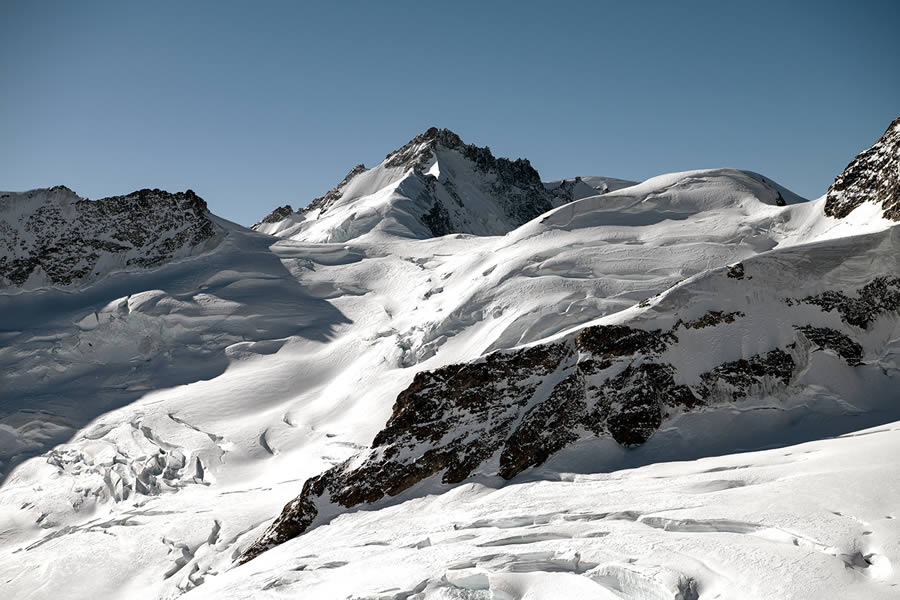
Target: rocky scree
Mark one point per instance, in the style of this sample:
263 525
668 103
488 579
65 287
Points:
279 214
322 203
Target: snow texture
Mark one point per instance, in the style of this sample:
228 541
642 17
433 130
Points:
156 416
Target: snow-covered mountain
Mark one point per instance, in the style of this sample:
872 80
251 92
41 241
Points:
434 185
672 370
54 237
447 415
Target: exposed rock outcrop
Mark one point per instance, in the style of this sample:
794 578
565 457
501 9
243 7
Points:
322 203
512 410
831 339
514 184
471 191
279 214
70 239
879 296
873 176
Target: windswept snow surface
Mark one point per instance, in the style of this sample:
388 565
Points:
152 424
800 522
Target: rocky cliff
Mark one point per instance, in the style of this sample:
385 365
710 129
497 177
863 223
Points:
53 237
873 176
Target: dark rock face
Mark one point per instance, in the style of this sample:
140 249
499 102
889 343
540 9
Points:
873 176
830 339
710 319
514 184
512 410
279 214
615 341
736 271
65 236
416 153
565 192
879 296
334 194
437 219
738 379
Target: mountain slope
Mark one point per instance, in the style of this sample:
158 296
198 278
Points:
812 521
744 337
53 237
434 185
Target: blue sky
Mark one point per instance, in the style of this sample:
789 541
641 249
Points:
258 104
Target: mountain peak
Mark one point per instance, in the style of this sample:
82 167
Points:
445 137
416 153
873 176
433 185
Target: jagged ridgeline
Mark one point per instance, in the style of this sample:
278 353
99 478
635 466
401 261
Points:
53 237
434 185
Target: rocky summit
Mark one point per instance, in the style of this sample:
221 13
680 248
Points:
432 186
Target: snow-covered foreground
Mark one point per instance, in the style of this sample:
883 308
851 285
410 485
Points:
817 520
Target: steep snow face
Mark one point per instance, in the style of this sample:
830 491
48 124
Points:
53 237
872 178
434 185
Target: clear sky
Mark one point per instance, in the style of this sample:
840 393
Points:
258 104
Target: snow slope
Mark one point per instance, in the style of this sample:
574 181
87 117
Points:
817 520
153 423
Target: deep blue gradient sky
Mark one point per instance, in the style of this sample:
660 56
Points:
258 104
